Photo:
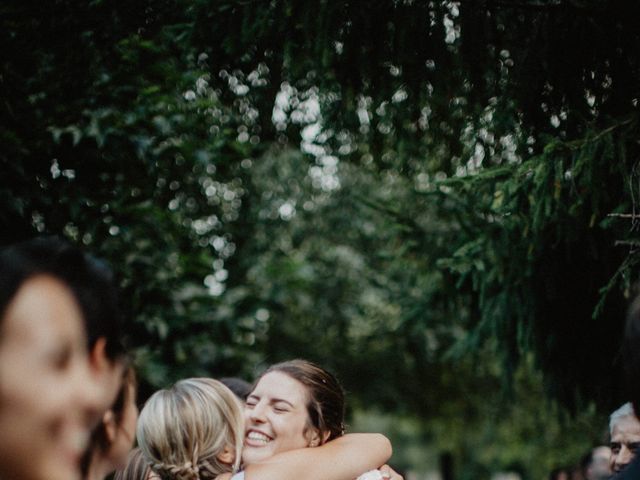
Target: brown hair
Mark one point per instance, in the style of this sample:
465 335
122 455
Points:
129 388
325 404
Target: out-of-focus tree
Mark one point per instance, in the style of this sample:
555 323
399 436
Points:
114 138
404 191
500 114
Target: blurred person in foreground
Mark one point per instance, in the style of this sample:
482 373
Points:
114 433
631 362
97 293
48 397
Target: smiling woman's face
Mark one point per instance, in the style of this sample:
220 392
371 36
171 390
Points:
276 417
46 396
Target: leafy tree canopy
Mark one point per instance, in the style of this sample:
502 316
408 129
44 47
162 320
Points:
427 197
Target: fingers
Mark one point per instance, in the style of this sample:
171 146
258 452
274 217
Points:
389 473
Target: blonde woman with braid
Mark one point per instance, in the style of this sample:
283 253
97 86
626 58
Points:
192 430
195 431
137 468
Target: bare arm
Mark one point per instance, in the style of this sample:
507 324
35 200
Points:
341 459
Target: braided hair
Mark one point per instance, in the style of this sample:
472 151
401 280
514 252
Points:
183 430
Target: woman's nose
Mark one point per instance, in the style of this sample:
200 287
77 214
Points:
257 413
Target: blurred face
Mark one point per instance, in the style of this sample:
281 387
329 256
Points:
599 468
275 417
47 399
625 440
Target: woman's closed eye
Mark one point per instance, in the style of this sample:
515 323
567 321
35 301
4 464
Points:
281 407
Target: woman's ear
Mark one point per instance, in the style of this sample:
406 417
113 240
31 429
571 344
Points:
109 425
227 455
316 439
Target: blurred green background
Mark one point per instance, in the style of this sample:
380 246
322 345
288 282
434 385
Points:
434 199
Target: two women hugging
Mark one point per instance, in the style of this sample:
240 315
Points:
291 426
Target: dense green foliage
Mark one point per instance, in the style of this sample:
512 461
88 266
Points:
418 195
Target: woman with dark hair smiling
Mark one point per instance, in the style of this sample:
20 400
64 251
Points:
294 404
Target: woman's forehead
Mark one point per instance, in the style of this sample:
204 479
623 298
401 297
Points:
281 386
43 311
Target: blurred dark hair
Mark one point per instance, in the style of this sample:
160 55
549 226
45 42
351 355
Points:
90 280
241 388
326 403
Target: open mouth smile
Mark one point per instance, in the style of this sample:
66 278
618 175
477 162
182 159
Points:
255 438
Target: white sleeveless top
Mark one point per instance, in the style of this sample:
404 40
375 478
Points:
371 475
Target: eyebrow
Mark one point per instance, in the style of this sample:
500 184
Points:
273 400
278 400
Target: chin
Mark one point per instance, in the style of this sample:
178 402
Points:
63 474
253 455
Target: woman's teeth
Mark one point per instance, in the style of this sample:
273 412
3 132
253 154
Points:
259 437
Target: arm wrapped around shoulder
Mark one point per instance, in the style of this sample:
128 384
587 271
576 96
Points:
344 458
